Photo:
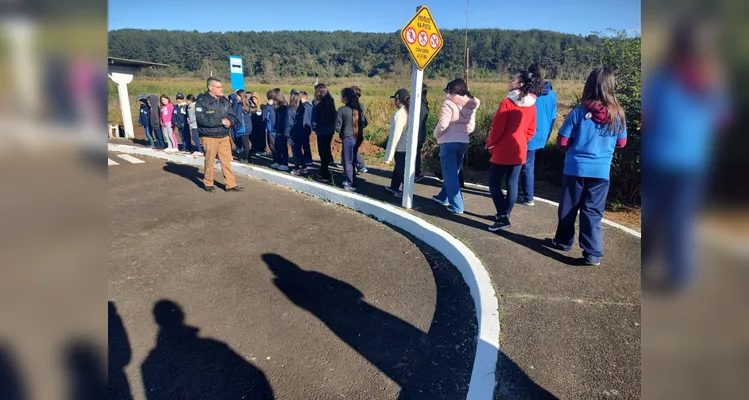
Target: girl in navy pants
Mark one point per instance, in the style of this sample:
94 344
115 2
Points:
591 132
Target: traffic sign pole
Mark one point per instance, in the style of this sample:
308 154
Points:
417 78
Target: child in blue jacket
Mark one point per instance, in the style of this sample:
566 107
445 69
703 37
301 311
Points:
591 132
144 119
269 121
546 117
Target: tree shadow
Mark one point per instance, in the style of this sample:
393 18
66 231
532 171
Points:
12 384
186 366
119 356
190 173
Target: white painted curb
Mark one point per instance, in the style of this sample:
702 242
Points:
474 274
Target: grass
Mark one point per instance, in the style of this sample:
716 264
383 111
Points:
375 96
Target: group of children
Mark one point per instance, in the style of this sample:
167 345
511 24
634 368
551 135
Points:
521 125
160 118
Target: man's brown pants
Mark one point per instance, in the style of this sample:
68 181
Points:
221 148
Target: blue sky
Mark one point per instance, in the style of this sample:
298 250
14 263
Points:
571 16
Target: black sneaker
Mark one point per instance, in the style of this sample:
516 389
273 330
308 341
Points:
210 189
502 223
235 189
321 178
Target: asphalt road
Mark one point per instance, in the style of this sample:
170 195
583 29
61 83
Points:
271 293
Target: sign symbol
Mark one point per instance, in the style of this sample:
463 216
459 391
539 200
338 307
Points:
411 35
422 38
434 41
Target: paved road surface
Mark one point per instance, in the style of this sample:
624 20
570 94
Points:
273 291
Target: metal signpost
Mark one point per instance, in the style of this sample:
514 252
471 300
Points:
424 41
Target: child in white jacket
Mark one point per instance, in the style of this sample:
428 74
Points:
396 147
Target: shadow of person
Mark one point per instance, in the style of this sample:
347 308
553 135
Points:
185 366
85 365
436 365
190 173
513 383
120 354
12 385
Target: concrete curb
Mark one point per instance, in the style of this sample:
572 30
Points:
474 274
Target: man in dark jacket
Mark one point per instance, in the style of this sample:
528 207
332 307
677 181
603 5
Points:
215 118
179 121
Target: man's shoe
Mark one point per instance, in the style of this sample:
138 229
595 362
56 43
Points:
502 223
591 260
321 178
209 189
235 189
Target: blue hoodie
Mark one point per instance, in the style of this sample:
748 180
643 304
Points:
245 122
269 118
144 118
546 115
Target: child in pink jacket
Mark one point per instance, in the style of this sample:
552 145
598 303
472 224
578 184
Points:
456 122
167 108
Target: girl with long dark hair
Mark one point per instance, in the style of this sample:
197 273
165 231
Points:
350 127
323 124
281 108
591 132
513 126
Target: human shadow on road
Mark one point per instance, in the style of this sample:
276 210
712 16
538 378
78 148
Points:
433 365
190 173
514 384
119 357
12 385
187 367
84 361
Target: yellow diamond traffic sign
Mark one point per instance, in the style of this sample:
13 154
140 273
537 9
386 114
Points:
422 38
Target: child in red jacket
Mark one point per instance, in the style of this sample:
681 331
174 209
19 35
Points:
513 126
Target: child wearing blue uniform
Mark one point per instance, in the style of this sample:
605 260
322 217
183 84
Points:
591 133
144 119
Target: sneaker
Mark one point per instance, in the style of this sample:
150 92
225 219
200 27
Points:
235 189
364 170
284 168
502 224
419 178
390 190
526 202
299 172
209 189
310 163
348 187
399 194
591 260
197 154
151 147
274 166
558 246
453 211
440 202
321 178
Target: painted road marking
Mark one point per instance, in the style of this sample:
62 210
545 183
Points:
131 159
110 162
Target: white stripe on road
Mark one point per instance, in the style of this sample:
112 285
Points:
110 162
129 158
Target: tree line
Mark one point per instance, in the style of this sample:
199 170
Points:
345 53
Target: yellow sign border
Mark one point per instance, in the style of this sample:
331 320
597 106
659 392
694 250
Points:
403 38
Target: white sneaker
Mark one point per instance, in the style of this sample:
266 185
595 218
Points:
283 168
274 166
197 153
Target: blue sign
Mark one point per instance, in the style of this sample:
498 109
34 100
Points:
236 68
